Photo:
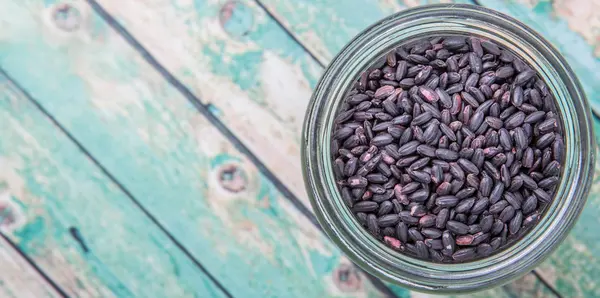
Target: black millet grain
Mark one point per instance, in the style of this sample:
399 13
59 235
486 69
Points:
449 149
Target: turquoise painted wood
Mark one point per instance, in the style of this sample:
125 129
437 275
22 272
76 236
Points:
49 187
325 26
175 163
177 22
236 59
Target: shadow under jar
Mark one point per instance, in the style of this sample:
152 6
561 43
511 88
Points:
402 266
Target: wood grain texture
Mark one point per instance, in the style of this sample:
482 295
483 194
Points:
555 23
183 171
232 56
325 26
236 59
18 277
49 186
199 29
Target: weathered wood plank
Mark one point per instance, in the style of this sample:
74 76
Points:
236 59
51 190
555 26
235 40
18 278
325 26
153 140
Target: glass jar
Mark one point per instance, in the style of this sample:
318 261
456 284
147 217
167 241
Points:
438 20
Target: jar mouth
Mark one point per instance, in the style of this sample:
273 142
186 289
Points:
439 20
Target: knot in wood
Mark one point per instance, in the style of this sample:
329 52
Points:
347 278
236 18
66 17
232 178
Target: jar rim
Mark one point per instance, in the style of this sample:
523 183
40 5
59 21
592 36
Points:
373 256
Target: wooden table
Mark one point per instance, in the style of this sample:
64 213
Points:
150 148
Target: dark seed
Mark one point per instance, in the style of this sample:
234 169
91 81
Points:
435 245
517 96
457 227
531 219
422 250
523 77
542 195
490 47
553 168
465 205
372 225
486 223
464 240
548 182
529 205
445 154
407 218
514 199
357 181
529 182
497 227
480 237
415 235
402 232
545 140
504 72
507 214
514 120
475 63
484 249
442 218
468 166
464 254
408 148
498 207
388 220
515 223
449 243
446 201
418 210
480 205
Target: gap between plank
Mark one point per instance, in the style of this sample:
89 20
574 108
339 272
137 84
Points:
216 122
289 33
32 263
115 181
546 283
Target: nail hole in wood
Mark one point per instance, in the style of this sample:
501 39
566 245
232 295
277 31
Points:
236 18
66 17
7 215
347 278
232 178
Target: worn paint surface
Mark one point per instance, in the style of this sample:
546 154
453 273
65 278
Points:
255 78
232 56
175 163
325 26
19 279
48 188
